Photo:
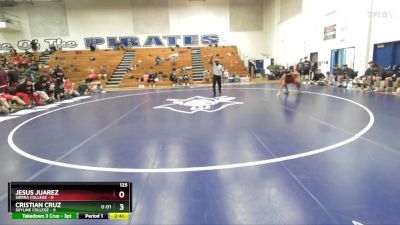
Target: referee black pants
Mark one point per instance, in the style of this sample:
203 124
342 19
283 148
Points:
217 79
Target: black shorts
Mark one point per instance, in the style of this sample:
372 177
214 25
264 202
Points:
348 77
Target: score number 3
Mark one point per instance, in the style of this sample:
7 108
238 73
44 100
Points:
121 195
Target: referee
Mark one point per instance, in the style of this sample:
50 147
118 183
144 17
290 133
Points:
217 70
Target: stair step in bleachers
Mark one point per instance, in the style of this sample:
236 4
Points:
44 59
120 71
197 65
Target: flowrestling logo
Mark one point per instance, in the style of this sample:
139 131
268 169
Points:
199 104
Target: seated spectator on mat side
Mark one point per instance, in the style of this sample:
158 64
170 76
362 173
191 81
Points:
70 89
97 88
84 88
4 98
102 73
393 79
26 92
318 78
92 77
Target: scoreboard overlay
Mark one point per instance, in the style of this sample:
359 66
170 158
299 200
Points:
69 200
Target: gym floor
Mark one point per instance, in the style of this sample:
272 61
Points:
321 156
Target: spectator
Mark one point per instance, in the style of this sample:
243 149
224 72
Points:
52 49
280 72
13 52
46 52
226 74
152 80
4 98
103 73
92 77
4 103
83 88
58 75
158 60
129 47
206 75
92 46
34 45
132 68
70 89
368 77
379 75
173 78
121 46
43 84
3 61
306 68
25 61
116 46
185 79
300 67
318 79
97 88
314 66
25 91
173 56
393 79
348 73
16 61
32 74
13 77
59 91
338 75
34 66
329 78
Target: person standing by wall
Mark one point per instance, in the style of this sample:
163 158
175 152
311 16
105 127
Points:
306 69
217 70
300 69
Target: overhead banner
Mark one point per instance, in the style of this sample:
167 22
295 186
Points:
113 41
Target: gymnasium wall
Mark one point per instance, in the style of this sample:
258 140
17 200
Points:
103 18
304 33
385 23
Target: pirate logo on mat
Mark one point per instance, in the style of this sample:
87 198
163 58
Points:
199 104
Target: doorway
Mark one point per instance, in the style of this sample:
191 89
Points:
342 56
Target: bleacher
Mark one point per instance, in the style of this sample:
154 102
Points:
78 64
145 58
145 61
227 56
